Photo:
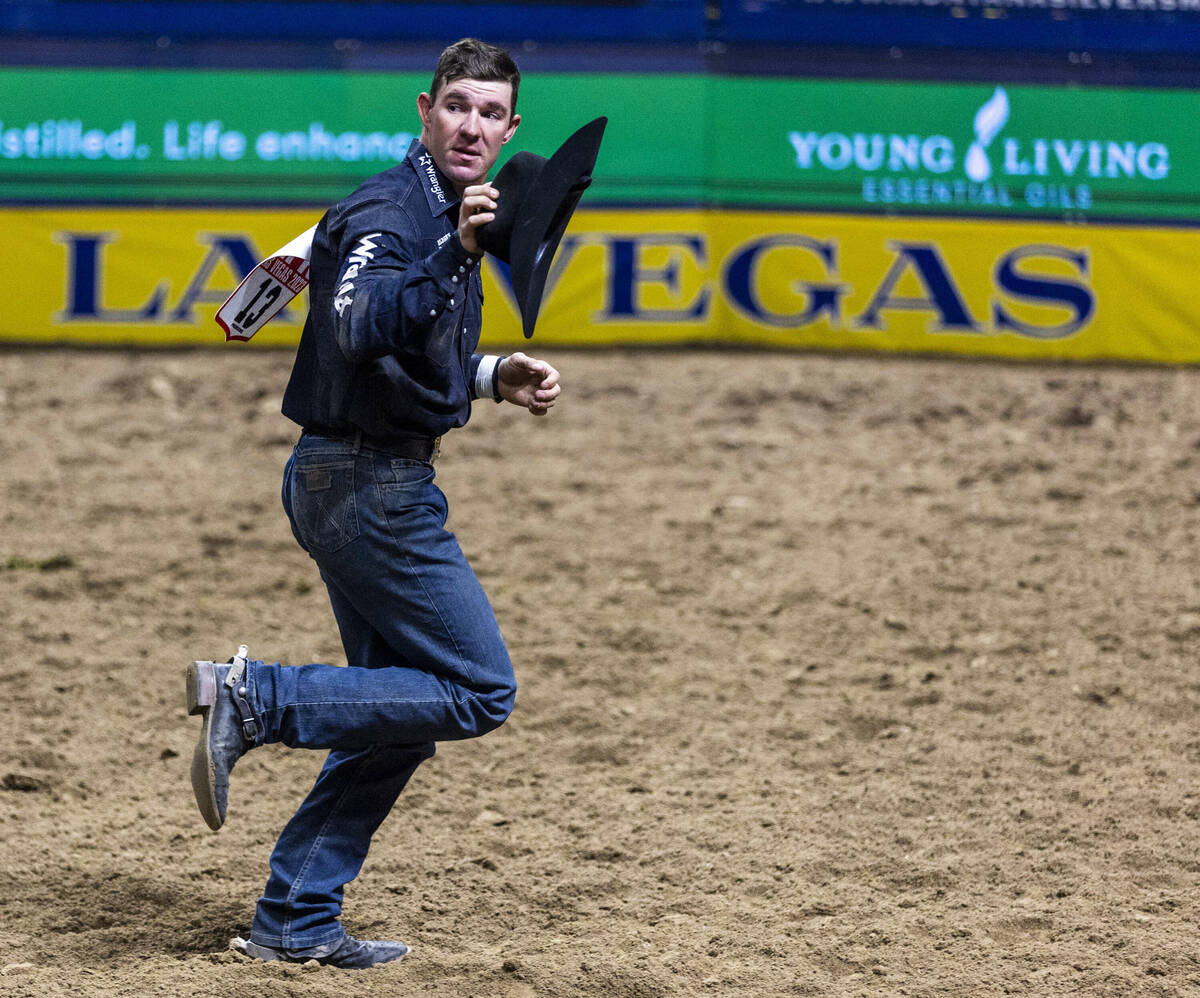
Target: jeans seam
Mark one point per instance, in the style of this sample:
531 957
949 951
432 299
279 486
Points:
276 711
385 518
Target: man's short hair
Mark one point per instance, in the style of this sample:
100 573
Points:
471 59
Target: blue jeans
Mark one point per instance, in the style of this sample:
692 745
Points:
426 663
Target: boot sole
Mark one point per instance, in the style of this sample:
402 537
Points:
201 696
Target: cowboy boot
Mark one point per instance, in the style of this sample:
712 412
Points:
218 694
346 953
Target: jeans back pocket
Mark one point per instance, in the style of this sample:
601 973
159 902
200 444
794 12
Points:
323 504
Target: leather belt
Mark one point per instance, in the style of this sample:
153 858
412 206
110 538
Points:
412 448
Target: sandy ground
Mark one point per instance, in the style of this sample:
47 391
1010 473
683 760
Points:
839 676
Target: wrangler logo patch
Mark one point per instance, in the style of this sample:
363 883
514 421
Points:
359 257
317 481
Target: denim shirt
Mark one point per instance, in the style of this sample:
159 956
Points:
395 310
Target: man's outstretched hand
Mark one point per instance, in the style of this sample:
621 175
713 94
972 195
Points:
532 384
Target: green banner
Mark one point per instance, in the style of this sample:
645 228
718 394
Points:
957 148
685 139
123 135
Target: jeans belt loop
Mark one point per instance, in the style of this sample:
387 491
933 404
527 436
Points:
357 440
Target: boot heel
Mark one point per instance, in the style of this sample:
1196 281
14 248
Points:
201 686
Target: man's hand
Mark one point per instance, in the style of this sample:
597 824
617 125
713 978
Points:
526 382
478 208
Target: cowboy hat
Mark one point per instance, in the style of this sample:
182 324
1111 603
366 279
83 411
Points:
537 198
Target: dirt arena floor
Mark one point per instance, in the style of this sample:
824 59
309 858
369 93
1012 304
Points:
839 676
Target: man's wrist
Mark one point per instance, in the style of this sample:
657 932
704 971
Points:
496 378
487 377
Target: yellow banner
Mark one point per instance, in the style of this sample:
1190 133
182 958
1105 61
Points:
980 287
136 275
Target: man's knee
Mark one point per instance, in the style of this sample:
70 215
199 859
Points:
488 710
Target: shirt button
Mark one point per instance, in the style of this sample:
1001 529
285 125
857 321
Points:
462 270
454 278
452 303
432 312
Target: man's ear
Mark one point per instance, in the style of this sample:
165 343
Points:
512 127
424 103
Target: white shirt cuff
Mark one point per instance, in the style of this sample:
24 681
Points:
485 374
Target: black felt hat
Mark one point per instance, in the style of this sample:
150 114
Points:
537 198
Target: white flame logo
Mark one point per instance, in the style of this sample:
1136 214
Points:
989 119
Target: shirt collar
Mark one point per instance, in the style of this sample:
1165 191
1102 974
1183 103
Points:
438 192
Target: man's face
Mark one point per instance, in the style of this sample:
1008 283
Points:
466 126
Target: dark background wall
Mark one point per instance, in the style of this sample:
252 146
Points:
1109 42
